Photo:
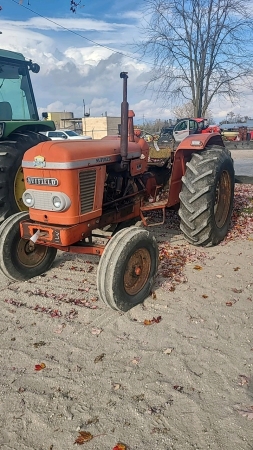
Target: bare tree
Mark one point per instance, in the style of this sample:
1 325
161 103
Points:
200 49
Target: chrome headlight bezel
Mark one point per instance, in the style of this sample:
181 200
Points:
63 199
28 194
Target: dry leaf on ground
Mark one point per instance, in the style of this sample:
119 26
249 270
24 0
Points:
237 291
197 267
84 436
39 367
151 321
99 358
168 351
243 379
246 411
96 331
120 446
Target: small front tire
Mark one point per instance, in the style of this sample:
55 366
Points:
127 268
18 260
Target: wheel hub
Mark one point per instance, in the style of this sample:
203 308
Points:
137 271
30 255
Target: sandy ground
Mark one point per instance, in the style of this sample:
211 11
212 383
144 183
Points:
185 382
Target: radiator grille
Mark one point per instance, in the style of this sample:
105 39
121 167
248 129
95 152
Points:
43 200
87 181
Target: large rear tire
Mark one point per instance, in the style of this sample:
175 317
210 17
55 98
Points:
20 261
206 198
127 268
11 173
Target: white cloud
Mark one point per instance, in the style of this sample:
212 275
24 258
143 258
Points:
57 23
73 69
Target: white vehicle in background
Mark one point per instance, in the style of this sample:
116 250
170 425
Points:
65 134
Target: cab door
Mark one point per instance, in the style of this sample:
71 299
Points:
181 130
194 127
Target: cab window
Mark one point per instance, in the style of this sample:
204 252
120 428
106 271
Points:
193 125
181 126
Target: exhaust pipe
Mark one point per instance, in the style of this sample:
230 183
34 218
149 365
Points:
124 124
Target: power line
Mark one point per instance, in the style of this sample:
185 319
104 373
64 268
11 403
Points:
80 35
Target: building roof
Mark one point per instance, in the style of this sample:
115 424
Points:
235 126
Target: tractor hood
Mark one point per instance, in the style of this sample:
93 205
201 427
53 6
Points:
80 154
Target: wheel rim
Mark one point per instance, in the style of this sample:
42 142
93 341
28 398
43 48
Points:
30 255
137 271
223 197
19 188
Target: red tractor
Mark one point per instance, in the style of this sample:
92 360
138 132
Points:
76 188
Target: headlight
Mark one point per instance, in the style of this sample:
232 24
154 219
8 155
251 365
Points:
57 202
28 199
60 201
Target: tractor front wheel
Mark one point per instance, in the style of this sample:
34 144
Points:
206 198
20 259
127 268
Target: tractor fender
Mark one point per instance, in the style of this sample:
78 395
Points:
200 141
191 144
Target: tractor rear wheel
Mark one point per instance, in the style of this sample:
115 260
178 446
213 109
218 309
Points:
206 198
127 268
19 258
11 173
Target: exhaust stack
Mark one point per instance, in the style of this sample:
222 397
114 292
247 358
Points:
124 124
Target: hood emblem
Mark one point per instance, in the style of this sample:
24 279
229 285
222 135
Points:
39 161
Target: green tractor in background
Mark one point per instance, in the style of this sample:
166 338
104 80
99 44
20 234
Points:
20 127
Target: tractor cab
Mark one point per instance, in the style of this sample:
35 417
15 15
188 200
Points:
18 110
184 128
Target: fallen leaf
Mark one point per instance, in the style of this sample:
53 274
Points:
197 267
151 321
229 303
60 328
136 360
168 351
138 397
99 358
246 412
243 379
154 295
236 269
96 331
39 367
84 436
120 446
205 296
39 344
178 388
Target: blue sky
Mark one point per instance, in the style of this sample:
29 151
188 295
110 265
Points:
74 67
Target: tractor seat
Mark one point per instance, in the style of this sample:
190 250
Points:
5 111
